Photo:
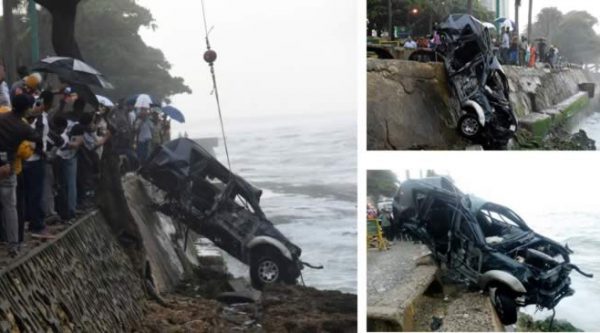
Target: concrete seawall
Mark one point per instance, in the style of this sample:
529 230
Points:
409 105
81 281
92 278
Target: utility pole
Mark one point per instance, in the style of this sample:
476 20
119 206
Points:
529 27
33 27
390 24
497 9
9 42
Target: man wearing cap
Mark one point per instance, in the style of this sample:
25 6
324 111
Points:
13 131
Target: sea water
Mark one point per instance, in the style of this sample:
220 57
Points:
306 167
581 231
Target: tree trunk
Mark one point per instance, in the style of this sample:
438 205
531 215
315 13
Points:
390 24
9 42
529 23
517 6
470 7
64 14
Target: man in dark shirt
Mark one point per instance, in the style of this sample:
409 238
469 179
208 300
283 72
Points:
13 131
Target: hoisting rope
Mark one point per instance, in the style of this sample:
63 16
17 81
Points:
216 91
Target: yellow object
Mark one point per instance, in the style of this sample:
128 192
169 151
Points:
33 80
24 152
375 235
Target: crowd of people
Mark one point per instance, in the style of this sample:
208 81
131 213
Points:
521 52
51 145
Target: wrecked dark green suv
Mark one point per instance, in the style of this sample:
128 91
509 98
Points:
223 207
485 244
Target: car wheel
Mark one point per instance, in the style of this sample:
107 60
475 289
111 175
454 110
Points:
268 268
469 126
505 305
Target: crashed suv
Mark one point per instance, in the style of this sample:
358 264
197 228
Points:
219 205
486 245
477 80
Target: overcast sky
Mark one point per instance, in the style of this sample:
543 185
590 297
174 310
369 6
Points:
275 57
532 182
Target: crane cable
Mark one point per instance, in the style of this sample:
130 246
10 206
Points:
216 91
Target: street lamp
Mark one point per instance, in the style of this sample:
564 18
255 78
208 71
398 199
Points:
415 11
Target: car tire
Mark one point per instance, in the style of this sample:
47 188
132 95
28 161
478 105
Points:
505 305
267 268
469 126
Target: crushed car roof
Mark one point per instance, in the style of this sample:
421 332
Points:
459 22
185 158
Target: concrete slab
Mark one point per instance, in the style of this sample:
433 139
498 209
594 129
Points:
394 280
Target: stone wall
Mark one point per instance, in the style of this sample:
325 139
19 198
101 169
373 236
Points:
82 281
409 105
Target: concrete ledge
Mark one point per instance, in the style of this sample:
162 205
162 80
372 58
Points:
540 124
395 281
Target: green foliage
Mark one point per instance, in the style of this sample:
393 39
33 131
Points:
576 38
547 23
430 12
527 324
381 183
573 33
108 35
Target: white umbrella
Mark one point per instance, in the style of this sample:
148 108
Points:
489 25
143 101
105 101
508 24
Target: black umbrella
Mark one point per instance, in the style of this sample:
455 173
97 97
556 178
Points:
73 71
85 93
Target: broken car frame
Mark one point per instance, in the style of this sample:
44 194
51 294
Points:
485 244
477 80
214 202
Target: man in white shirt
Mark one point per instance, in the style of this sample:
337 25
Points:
410 44
505 46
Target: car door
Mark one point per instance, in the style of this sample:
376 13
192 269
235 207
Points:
466 250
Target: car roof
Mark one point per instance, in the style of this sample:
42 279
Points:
458 22
405 195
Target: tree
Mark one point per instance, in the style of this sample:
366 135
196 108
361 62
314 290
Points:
576 38
381 183
429 11
517 7
547 23
64 14
470 7
9 40
107 36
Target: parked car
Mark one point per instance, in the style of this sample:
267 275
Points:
485 244
217 204
476 79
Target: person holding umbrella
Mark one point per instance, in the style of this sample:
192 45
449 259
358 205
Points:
144 131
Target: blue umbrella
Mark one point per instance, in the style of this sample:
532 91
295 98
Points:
174 113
